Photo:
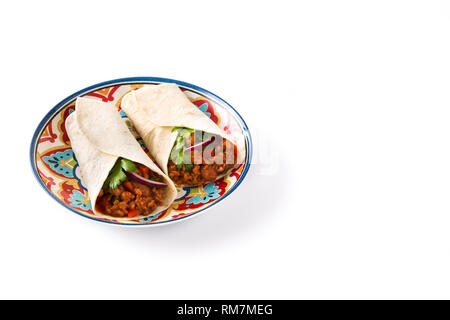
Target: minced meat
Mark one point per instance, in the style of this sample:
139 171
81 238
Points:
132 198
212 165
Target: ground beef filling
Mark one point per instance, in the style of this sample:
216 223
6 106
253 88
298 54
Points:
213 164
131 198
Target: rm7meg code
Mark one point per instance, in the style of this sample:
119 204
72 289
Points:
247 309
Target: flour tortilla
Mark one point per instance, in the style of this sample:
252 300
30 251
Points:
99 137
155 110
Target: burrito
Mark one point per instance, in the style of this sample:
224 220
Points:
187 145
121 179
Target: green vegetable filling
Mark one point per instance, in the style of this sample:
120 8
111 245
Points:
116 175
177 155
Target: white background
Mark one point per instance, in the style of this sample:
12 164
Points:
349 106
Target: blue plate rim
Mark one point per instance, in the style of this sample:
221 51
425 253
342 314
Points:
133 80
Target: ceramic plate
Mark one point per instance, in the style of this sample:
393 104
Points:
55 165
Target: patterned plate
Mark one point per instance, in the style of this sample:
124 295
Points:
55 165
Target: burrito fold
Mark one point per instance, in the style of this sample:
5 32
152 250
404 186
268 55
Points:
100 140
160 113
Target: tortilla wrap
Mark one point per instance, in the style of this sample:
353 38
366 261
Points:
155 110
99 136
